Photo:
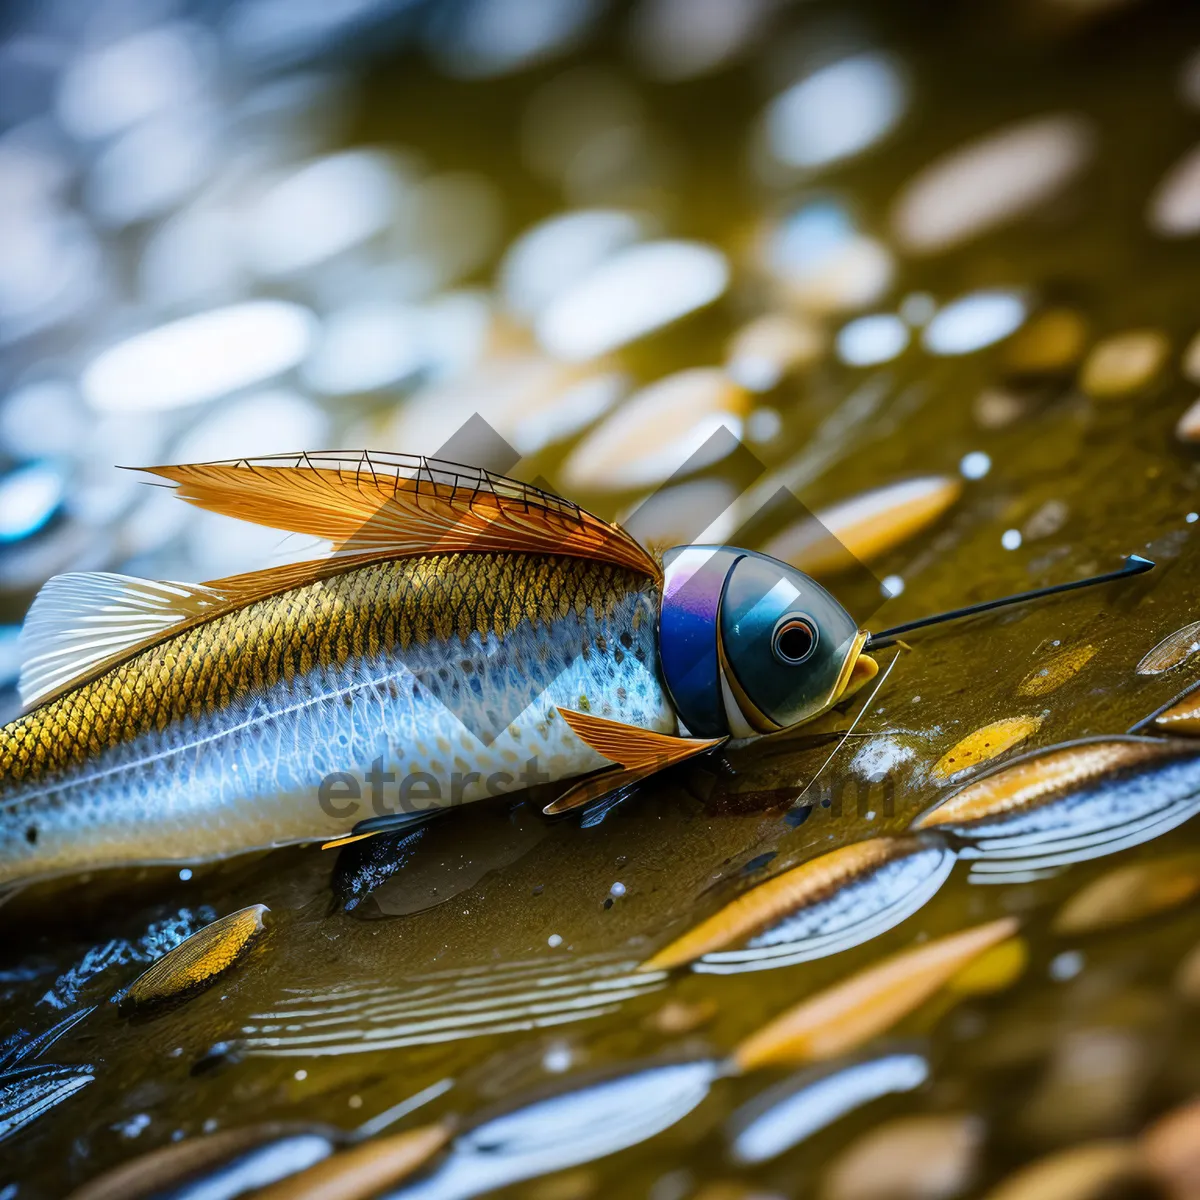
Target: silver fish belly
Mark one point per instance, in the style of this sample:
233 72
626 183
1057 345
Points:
439 724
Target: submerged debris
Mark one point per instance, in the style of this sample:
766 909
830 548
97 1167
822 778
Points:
159 938
990 181
1182 717
1187 428
772 346
1084 1172
568 1127
844 1016
1052 341
362 1171
923 1157
1174 649
27 1092
993 971
1031 779
986 743
1170 1151
1174 207
195 963
657 430
677 1017
1123 364
1130 893
1058 669
365 865
865 527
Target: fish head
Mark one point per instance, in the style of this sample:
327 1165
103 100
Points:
749 645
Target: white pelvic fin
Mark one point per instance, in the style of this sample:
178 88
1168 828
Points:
84 618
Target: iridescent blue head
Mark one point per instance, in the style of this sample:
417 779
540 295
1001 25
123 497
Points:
749 645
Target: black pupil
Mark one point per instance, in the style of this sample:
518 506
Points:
794 641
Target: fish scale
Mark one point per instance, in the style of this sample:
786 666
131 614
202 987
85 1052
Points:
390 604
432 665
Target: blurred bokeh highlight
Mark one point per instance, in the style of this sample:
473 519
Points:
263 226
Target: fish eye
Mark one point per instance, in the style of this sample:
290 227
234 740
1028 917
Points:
794 639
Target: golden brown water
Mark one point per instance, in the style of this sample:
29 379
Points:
484 945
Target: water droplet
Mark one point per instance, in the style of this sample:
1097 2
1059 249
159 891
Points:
629 295
975 465
1066 965
200 357
990 181
29 497
868 341
1174 209
1124 363
764 425
557 1059
917 308
974 321
835 112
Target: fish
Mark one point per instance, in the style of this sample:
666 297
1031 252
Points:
1130 893
841 1018
825 905
362 1171
259 1152
466 635
1174 649
796 1108
1067 804
1112 1167
565 1124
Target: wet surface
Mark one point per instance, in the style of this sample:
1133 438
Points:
971 231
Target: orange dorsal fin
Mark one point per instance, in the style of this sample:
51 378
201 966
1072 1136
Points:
370 506
632 747
375 506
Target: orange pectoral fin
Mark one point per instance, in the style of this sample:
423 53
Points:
632 747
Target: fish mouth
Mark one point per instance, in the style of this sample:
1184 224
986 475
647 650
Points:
857 671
